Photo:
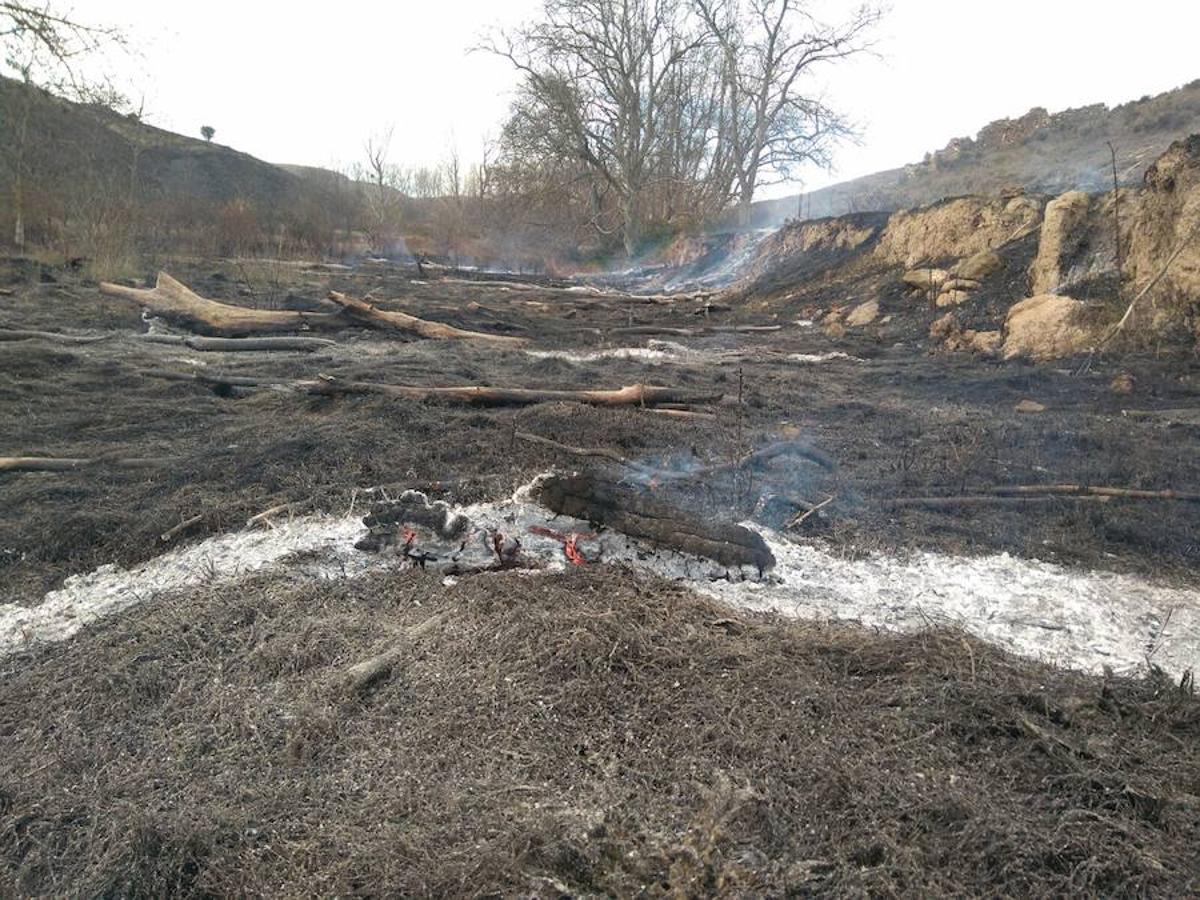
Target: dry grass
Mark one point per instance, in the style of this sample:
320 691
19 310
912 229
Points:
592 733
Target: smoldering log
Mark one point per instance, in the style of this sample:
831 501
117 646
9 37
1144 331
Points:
633 512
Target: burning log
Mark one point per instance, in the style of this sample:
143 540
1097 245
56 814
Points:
472 395
630 511
179 305
367 314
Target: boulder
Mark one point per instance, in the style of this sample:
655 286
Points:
961 284
834 330
864 313
1122 384
1046 327
982 265
987 342
943 327
1063 231
1029 406
953 298
925 279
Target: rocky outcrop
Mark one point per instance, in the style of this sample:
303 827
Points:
1063 232
947 331
1045 327
955 229
1167 218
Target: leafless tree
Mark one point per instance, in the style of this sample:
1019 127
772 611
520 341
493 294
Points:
596 82
665 111
40 46
772 125
384 194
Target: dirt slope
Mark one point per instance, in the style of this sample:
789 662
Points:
1042 152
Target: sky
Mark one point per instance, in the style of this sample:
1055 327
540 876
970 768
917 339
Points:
308 83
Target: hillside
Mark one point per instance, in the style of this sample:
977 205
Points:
1042 152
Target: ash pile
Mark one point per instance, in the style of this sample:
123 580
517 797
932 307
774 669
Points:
564 520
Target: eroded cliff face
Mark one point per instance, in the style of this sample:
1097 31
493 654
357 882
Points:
955 229
1094 251
1167 219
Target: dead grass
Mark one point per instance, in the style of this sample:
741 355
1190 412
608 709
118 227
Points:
596 733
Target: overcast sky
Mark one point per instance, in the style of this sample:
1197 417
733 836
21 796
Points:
296 82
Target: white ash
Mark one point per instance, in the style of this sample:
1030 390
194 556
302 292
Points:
1078 619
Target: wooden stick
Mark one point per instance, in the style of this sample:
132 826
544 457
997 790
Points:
601 452
984 500
366 674
1096 491
365 313
276 510
12 334
798 520
681 413
180 528
235 345
1116 329
60 464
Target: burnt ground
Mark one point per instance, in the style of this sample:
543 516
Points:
918 771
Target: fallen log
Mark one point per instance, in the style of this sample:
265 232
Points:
236 345
1095 491
635 513
365 313
11 334
675 331
472 395
984 500
179 305
61 464
597 452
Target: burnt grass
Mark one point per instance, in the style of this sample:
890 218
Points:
599 732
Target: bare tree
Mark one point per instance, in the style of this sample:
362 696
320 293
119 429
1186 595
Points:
384 195
596 83
662 112
769 46
40 46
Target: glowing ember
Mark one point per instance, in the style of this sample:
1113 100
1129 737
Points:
570 542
